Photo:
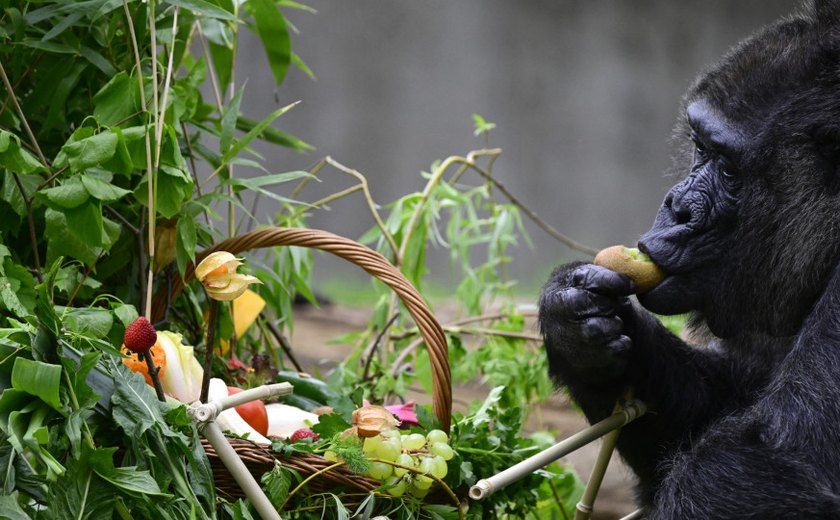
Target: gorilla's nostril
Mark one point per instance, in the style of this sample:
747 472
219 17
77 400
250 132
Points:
682 215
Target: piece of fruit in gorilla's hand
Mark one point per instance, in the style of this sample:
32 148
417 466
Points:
632 262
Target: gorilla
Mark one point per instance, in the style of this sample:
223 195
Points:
744 422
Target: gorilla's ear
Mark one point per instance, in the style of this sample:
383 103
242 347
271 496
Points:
827 13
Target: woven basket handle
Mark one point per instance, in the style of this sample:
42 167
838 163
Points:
374 264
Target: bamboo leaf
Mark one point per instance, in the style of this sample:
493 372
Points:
272 30
272 135
203 8
229 118
254 132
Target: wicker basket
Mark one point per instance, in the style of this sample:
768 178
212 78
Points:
260 459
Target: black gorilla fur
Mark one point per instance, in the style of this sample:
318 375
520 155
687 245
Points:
746 422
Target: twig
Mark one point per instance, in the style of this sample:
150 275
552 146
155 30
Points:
480 331
51 178
87 272
548 228
114 213
166 84
306 481
209 349
284 343
455 328
22 77
153 375
194 171
214 81
467 321
371 205
141 254
33 238
145 280
152 182
371 350
22 117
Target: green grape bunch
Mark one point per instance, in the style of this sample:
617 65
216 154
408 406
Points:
426 454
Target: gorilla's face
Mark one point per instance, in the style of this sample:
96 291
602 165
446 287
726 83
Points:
751 234
695 224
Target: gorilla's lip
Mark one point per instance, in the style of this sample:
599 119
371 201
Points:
665 265
664 268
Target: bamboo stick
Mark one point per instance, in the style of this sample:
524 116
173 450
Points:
486 487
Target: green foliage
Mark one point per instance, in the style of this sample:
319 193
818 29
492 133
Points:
488 441
112 108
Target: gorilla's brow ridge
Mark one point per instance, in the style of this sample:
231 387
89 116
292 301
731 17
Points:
713 129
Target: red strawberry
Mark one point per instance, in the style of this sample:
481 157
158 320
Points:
304 433
140 336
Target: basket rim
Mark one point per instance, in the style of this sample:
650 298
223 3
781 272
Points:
364 257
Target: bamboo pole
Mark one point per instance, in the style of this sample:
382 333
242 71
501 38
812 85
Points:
205 415
586 504
485 487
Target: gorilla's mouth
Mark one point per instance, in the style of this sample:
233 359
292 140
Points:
669 296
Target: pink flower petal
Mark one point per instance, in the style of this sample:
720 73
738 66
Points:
404 412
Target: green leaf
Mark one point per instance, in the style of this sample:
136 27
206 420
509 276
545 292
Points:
126 314
82 495
277 483
127 478
115 101
104 191
11 193
70 194
9 298
97 60
481 125
134 404
61 242
14 158
39 379
254 132
272 135
91 322
203 8
88 152
300 64
229 118
9 508
272 30
22 283
186 243
329 425
482 415
85 223
174 188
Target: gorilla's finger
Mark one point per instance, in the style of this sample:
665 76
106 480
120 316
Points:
620 345
601 329
575 303
603 281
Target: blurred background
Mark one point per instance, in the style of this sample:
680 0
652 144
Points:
584 95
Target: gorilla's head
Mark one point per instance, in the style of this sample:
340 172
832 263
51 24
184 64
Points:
751 235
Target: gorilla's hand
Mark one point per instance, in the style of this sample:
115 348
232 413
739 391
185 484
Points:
584 316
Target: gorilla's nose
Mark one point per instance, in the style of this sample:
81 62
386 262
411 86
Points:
680 210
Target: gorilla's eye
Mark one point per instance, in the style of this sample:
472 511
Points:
701 153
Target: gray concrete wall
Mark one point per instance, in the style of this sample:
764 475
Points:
584 93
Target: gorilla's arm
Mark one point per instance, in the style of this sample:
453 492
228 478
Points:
599 344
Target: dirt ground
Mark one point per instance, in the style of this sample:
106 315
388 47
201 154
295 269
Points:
314 328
